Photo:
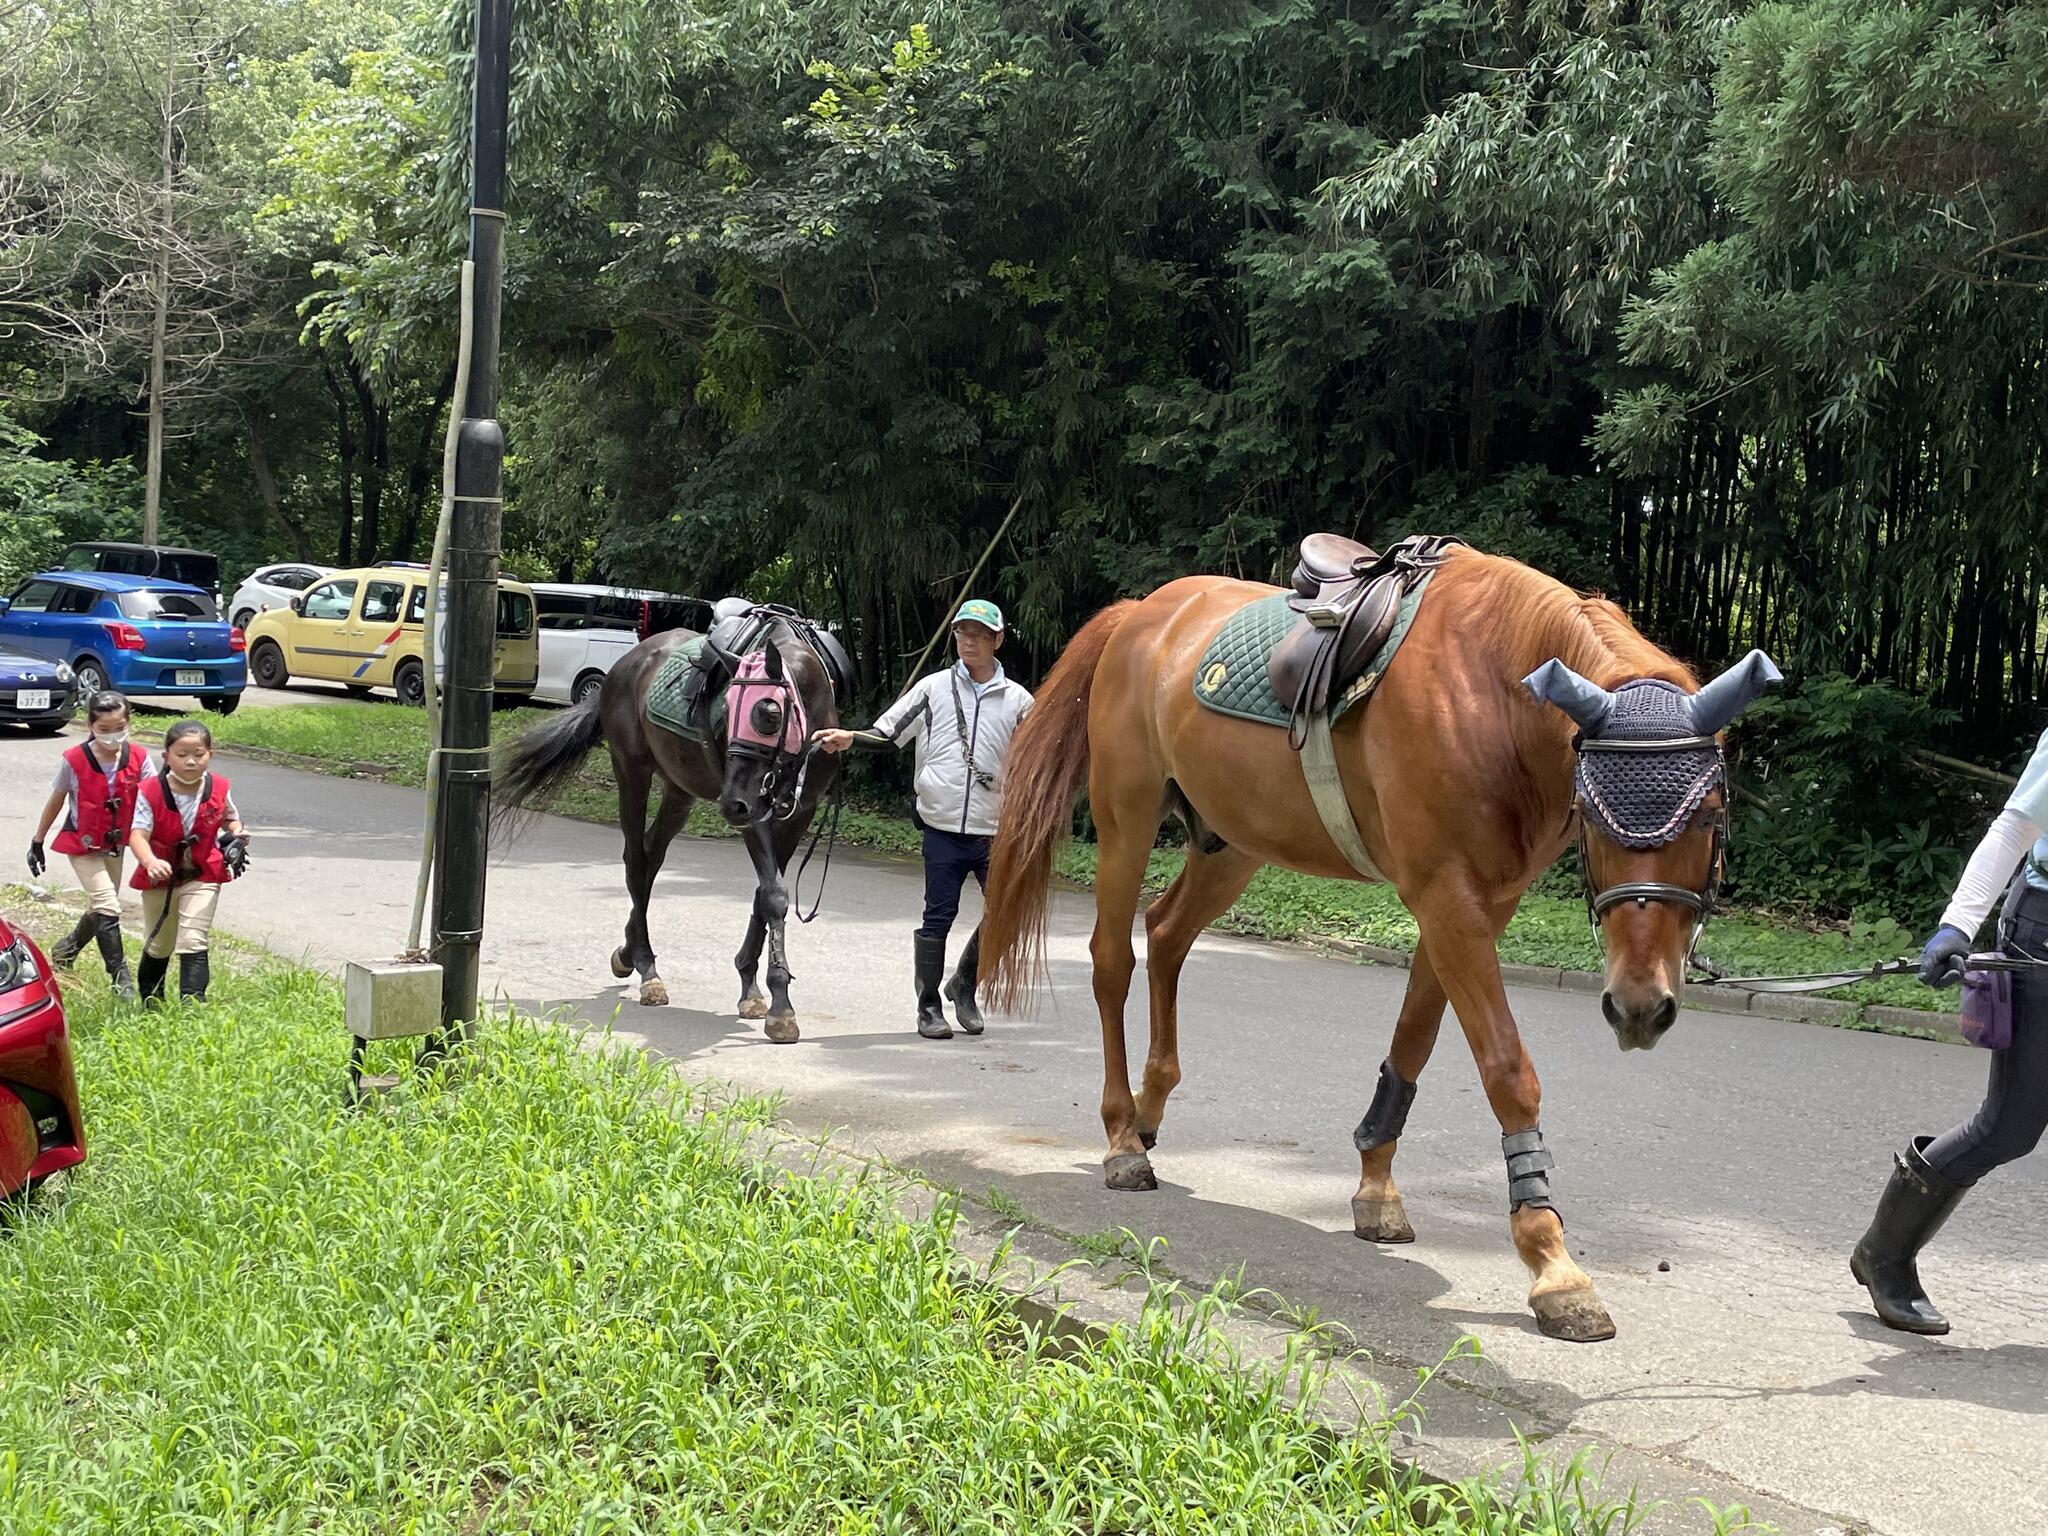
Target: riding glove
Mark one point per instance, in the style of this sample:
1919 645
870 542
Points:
36 862
234 852
1941 962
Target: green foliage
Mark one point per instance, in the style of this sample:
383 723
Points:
561 1292
46 504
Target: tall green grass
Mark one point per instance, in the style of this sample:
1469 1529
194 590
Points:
557 1296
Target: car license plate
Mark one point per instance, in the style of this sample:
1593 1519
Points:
191 678
32 698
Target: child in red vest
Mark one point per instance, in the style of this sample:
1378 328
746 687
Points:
102 780
189 839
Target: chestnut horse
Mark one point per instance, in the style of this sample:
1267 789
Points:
1461 782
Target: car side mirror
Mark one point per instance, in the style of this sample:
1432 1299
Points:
298 604
6 603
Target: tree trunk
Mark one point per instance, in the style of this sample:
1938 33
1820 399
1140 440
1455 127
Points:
266 487
423 473
153 472
376 458
345 456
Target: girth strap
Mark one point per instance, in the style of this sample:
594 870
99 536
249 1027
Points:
1326 788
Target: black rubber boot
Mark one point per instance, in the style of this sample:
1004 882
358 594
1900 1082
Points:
149 977
194 971
67 949
1914 1205
113 955
960 990
931 964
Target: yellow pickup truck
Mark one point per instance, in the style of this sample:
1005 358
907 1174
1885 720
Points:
362 628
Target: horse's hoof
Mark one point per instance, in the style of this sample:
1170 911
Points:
753 1007
1381 1221
620 968
654 995
1574 1316
1129 1170
782 1031
1149 1138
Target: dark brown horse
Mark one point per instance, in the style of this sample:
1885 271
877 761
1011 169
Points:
1461 781
770 796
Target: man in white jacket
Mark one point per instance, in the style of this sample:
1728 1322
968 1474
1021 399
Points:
960 721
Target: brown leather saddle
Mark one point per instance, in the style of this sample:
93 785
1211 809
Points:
1349 597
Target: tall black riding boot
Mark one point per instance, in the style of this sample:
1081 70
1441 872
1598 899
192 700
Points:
194 971
1914 1205
67 949
960 990
149 977
931 964
114 956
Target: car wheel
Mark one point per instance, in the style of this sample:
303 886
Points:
92 679
266 665
410 683
225 704
586 685
245 618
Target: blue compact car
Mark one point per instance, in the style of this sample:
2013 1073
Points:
144 636
36 693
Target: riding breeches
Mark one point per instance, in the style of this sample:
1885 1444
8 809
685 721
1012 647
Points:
949 858
185 931
2009 1123
100 878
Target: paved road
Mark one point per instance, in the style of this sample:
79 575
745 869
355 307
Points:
1743 1153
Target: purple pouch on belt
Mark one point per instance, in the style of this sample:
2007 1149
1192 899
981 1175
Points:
1987 1009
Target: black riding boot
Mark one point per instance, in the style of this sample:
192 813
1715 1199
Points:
1914 1205
108 934
931 964
149 977
67 949
194 971
960 990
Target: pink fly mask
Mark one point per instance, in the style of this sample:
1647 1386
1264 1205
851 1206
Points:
764 713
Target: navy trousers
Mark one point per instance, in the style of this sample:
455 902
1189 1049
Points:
2009 1123
949 858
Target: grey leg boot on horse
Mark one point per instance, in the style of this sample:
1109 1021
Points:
960 990
930 963
1914 1205
108 934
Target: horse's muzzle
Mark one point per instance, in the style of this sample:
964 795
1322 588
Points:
1639 1022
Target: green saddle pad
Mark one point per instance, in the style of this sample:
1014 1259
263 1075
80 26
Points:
676 701
1232 677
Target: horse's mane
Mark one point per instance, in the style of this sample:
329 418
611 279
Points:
1530 617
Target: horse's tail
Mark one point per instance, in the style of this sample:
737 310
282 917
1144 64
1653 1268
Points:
1043 774
534 766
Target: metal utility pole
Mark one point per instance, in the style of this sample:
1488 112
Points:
462 837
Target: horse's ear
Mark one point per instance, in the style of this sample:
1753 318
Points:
1588 704
771 659
1733 691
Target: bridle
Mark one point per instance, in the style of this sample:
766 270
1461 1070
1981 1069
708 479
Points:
1589 805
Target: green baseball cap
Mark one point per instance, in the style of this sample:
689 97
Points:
979 610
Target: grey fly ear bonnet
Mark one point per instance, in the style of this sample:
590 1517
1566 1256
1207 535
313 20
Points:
1647 760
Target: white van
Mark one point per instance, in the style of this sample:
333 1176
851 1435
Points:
585 629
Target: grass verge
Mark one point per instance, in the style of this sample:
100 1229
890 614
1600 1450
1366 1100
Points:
560 1297
1548 930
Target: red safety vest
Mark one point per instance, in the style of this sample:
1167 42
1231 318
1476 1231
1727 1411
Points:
167 832
103 803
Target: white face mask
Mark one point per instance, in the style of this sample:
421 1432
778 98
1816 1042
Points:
110 741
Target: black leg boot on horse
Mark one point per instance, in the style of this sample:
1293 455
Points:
1912 1209
107 932
930 963
960 990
